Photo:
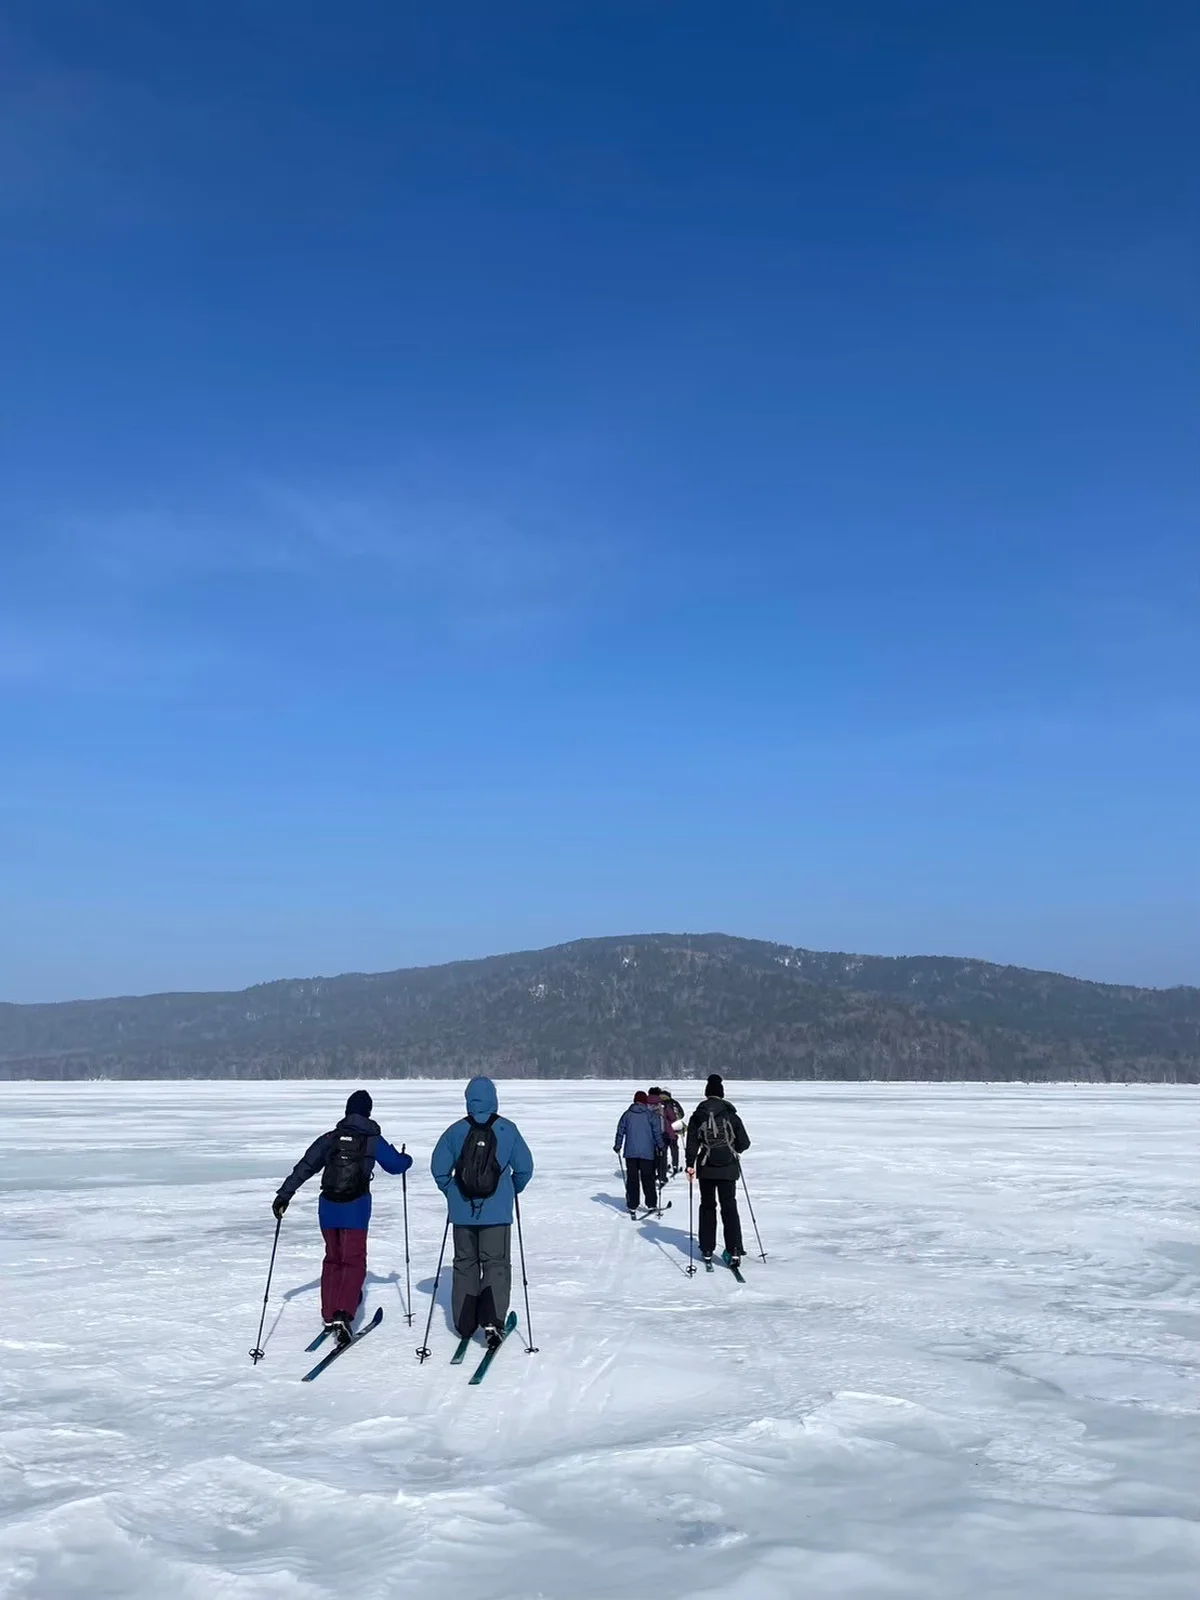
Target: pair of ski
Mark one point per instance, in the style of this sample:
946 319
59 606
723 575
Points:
726 1261
338 1350
643 1212
460 1354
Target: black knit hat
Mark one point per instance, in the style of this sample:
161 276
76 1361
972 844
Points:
714 1089
359 1104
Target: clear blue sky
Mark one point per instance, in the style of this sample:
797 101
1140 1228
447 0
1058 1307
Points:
476 475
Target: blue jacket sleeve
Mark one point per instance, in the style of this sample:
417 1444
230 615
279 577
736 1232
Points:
521 1162
391 1159
621 1127
445 1153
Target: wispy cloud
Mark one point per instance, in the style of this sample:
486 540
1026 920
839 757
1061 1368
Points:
112 601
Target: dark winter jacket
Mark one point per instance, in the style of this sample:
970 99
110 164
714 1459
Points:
673 1112
346 1213
722 1163
516 1163
662 1108
640 1132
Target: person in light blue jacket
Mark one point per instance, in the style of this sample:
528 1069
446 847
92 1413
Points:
482 1223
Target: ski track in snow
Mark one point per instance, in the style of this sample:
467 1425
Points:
969 1367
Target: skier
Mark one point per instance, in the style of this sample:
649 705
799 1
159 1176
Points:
346 1157
673 1116
640 1134
480 1163
715 1140
658 1106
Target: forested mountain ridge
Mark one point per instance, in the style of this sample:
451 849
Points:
646 1006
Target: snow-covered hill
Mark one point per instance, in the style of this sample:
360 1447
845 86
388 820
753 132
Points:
969 1367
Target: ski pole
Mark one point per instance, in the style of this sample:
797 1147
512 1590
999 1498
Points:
530 1348
407 1258
691 1227
258 1352
425 1352
753 1218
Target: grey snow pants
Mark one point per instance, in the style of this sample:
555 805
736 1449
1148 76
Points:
482 1278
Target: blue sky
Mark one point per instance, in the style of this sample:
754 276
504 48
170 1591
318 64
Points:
473 476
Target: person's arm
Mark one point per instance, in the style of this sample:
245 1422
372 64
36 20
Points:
310 1163
622 1128
521 1162
741 1139
445 1153
390 1159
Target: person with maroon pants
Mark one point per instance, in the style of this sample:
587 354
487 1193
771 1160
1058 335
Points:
346 1157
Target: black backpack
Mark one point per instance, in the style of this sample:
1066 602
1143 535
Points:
345 1177
717 1148
477 1170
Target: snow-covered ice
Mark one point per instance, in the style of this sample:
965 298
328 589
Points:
969 1367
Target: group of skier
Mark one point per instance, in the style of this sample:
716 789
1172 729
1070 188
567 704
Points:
481 1164
648 1133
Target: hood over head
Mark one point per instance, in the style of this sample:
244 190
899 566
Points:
482 1101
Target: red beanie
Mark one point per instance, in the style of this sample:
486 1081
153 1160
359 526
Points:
641 1098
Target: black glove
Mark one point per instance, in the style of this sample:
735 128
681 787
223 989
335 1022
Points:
279 1205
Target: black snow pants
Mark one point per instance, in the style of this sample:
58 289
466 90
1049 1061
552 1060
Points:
639 1172
724 1190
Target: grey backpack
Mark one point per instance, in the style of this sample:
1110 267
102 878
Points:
717 1147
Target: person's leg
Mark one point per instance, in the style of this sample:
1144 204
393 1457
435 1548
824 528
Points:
660 1166
674 1157
495 1260
708 1216
354 1271
464 1295
648 1189
731 1223
331 1272
631 1184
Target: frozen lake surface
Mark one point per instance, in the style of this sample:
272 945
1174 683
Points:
970 1367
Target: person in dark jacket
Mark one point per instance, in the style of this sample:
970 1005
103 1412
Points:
640 1135
482 1284
716 1138
346 1157
674 1116
658 1106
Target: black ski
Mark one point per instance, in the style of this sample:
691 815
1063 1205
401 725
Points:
342 1348
481 1370
649 1211
317 1342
